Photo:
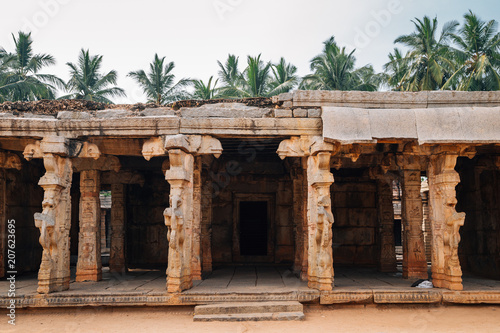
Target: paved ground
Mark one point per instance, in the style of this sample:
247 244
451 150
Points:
371 318
247 284
246 279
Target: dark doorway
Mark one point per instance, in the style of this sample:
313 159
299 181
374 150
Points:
253 228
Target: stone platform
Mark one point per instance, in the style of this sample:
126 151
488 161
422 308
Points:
248 284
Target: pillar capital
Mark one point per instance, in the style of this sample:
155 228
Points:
192 144
303 146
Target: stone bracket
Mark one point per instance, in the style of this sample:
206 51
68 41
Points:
305 146
62 146
193 144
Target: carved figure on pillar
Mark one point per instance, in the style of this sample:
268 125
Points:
54 224
316 153
320 220
445 221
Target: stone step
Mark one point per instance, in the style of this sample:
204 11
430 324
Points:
248 307
264 316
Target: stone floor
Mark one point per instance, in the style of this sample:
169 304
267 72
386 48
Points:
248 283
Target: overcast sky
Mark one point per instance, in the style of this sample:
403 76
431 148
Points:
196 33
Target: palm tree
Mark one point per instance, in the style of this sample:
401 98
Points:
285 78
86 81
255 78
334 69
429 58
258 79
230 76
158 84
205 91
20 77
478 55
396 69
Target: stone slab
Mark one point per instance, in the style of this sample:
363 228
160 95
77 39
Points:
251 127
157 112
283 113
248 307
300 113
432 125
346 125
113 113
394 99
73 115
226 110
270 316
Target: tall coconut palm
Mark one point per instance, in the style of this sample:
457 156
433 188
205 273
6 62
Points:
429 58
205 91
86 81
478 55
396 70
334 69
21 78
230 76
255 78
284 79
158 84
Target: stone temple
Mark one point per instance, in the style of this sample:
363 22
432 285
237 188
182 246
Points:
303 184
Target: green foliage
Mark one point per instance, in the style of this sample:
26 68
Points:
20 77
334 69
258 79
429 62
477 56
158 84
205 91
86 81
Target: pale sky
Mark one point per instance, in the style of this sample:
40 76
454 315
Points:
196 33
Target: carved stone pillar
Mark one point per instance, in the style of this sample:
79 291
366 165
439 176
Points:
117 224
445 222
319 210
206 222
196 259
89 267
414 262
320 220
179 220
387 256
183 217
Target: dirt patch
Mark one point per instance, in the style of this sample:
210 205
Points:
318 319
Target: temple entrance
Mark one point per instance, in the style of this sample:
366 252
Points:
253 228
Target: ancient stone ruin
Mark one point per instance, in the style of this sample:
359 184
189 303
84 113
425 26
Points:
305 180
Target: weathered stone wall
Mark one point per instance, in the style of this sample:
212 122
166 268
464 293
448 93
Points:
354 205
478 196
259 180
146 234
24 199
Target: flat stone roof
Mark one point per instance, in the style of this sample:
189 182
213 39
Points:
432 125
